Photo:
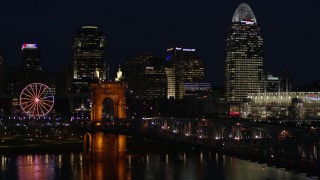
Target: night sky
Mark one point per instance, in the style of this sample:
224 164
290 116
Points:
291 31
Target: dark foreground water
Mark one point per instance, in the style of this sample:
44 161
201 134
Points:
173 166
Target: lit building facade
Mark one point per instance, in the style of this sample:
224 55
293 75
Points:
271 83
171 83
244 56
31 57
88 57
187 66
146 76
197 90
295 105
277 83
155 83
88 66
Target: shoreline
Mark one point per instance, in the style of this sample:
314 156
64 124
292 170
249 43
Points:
133 146
43 148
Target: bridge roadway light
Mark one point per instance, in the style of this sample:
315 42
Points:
283 133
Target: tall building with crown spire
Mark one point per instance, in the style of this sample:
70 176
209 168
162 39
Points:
244 55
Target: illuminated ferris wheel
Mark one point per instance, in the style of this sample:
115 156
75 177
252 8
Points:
36 99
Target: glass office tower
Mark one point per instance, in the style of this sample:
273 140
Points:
244 56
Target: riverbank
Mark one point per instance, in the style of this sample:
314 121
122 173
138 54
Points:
24 145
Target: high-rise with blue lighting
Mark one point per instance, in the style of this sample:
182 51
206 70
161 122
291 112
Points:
187 68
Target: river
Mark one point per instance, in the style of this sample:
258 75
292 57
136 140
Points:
189 165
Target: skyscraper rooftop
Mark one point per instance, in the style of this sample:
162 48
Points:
244 14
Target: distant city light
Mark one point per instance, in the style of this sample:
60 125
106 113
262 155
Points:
313 97
183 49
188 49
247 22
29 46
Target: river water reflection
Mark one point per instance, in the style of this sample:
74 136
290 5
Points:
183 165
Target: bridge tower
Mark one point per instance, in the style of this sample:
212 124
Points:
113 90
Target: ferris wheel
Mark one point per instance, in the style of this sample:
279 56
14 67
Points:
36 99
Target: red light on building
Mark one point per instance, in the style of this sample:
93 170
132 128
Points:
234 113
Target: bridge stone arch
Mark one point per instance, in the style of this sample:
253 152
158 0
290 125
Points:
113 90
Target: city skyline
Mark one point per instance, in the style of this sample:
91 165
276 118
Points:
134 90
154 26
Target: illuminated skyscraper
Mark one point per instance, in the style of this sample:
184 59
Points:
146 76
171 83
187 67
88 57
31 57
88 66
244 55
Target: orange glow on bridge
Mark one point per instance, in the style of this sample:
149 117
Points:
113 90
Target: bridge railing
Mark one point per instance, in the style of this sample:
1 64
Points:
233 135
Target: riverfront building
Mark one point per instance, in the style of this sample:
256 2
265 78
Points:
244 56
187 68
280 105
